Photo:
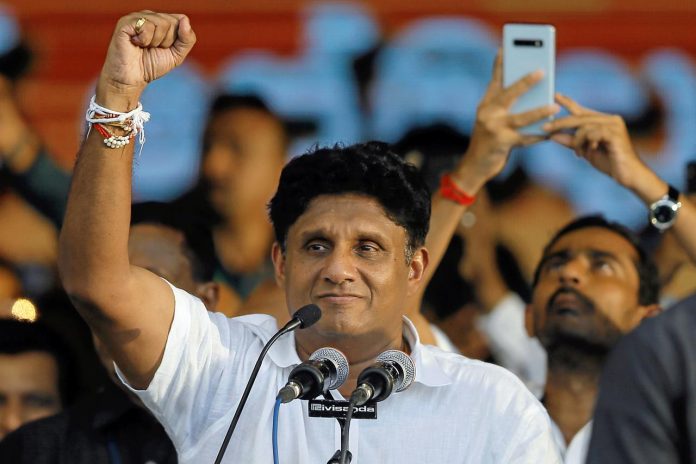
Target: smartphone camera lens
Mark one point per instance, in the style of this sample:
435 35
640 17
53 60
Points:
528 43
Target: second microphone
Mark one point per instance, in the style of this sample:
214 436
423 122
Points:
326 369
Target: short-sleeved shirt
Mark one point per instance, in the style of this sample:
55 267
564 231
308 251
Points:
456 411
510 344
574 452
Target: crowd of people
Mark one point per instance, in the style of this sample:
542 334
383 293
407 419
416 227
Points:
557 350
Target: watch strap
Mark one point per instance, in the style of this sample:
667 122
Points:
673 193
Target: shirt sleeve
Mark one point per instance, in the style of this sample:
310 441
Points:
533 442
522 433
206 361
510 344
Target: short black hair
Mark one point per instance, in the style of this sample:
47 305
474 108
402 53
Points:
17 337
199 247
438 148
225 102
369 169
649 289
16 62
232 101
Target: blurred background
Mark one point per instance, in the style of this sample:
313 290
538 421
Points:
350 71
347 71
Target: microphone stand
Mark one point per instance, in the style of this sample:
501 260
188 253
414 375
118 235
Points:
289 327
336 458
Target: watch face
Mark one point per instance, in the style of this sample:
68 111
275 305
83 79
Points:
663 213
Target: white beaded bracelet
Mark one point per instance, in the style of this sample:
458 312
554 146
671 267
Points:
132 122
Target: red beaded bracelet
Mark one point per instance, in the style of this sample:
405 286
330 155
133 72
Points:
451 191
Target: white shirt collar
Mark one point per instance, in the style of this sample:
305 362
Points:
575 451
428 370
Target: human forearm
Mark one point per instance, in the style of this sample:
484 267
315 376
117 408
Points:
93 256
18 143
496 132
93 253
684 228
603 140
649 188
490 286
445 217
129 308
45 186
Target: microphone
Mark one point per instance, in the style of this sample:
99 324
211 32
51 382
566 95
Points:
326 369
393 372
302 318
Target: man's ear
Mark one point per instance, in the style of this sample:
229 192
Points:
651 310
416 269
209 293
529 320
278 257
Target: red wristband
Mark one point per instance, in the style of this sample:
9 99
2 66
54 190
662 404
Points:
451 191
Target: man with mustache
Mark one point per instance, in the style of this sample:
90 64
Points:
350 226
594 282
112 426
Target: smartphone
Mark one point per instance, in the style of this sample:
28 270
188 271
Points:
526 48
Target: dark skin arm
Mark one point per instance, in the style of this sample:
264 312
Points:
496 133
129 309
602 140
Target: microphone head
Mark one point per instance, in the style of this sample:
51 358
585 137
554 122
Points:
307 315
339 363
404 363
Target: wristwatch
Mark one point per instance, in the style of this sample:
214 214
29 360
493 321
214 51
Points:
664 211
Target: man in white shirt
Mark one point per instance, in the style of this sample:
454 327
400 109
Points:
350 226
594 283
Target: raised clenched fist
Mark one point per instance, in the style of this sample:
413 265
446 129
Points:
145 46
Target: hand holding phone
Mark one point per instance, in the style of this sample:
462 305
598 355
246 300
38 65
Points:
528 48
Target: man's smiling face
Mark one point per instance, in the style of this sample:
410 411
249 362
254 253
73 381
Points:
345 255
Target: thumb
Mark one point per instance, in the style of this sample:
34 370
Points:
186 38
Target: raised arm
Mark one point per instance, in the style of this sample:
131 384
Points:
31 170
603 140
496 132
128 308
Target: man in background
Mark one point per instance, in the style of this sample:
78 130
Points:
113 426
36 374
